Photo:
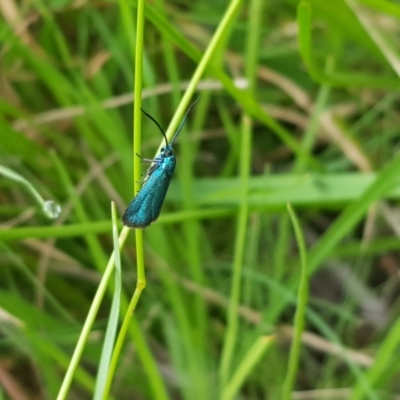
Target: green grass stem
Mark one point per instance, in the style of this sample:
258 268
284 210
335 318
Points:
232 328
300 315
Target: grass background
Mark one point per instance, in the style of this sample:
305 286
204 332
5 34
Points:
316 126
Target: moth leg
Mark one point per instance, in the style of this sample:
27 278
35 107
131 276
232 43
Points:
149 160
142 178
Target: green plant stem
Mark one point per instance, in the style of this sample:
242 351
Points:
202 66
245 163
109 338
252 357
302 298
233 316
137 126
120 340
205 60
9 173
90 320
243 97
141 277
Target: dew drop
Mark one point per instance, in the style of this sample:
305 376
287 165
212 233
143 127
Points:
51 209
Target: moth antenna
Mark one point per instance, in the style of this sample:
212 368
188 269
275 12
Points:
183 120
156 122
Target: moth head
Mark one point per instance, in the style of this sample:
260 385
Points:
167 150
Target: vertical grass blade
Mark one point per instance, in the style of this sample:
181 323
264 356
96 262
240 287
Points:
232 328
112 324
62 394
250 360
302 298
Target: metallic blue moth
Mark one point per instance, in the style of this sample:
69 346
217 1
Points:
146 205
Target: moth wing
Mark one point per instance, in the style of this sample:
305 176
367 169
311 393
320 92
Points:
130 217
146 206
153 203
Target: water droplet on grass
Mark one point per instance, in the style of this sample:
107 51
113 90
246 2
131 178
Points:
51 209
